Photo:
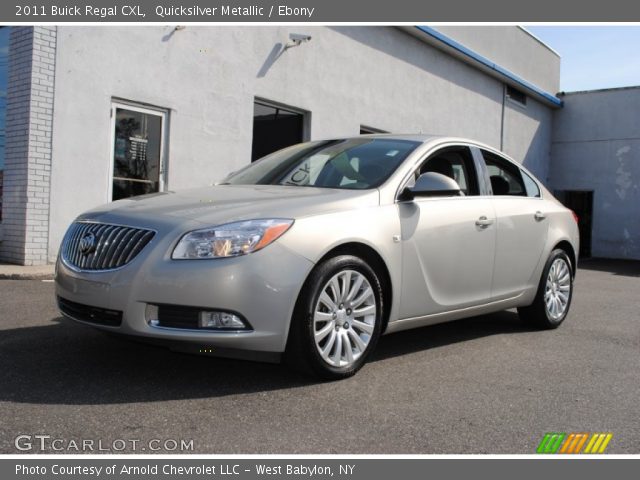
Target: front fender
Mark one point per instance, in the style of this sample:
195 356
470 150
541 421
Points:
313 237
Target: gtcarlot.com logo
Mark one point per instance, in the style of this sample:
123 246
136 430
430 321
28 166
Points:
574 443
44 443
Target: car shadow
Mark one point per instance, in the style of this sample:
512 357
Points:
67 363
625 268
443 334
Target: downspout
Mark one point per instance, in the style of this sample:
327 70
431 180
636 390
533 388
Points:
504 97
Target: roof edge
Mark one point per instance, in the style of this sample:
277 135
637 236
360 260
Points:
600 90
539 40
445 43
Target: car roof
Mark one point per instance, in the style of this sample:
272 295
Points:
425 138
416 137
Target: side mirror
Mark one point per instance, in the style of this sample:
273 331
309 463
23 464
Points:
432 184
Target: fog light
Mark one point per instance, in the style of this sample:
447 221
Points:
220 320
151 315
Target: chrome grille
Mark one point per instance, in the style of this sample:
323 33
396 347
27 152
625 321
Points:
112 246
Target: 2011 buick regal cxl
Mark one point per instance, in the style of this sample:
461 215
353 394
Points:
313 252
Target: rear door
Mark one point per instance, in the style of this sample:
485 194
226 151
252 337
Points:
521 225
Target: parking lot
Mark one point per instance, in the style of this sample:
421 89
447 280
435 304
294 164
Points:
484 385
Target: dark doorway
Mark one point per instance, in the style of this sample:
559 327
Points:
364 130
581 202
274 128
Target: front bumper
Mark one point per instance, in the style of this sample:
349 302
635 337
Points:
262 287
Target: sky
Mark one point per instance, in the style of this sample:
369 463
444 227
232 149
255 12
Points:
594 57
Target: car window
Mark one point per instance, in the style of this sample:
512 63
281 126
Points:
359 163
530 185
454 162
505 177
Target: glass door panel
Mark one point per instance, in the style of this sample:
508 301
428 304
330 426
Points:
137 152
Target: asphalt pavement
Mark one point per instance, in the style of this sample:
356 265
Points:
484 385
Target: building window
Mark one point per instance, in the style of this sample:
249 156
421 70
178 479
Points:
138 150
364 130
516 96
4 73
275 127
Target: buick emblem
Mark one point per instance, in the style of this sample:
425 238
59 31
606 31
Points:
88 244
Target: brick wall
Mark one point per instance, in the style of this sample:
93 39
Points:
27 169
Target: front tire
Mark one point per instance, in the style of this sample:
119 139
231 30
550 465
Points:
337 320
555 290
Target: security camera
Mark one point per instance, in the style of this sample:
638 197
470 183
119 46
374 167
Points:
298 38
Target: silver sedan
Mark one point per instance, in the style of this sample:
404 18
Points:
313 252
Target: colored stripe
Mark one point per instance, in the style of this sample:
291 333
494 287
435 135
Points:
555 443
543 443
576 441
594 437
561 438
606 441
549 446
581 442
571 440
596 445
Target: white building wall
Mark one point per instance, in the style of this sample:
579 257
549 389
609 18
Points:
596 146
208 78
513 48
527 135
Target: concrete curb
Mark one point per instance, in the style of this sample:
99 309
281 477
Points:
20 272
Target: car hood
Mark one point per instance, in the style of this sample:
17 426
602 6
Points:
228 203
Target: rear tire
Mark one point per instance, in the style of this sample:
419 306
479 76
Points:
555 290
337 320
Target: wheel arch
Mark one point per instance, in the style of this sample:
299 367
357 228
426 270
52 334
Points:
565 246
377 263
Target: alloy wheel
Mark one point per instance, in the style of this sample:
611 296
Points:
344 318
557 289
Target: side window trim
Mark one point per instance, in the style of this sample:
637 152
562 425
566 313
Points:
482 173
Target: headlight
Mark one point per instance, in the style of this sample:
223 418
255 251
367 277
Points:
230 240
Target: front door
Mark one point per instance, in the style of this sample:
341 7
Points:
447 255
448 242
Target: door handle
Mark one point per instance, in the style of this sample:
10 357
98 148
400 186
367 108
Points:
483 222
539 216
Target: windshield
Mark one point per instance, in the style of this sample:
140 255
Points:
357 164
